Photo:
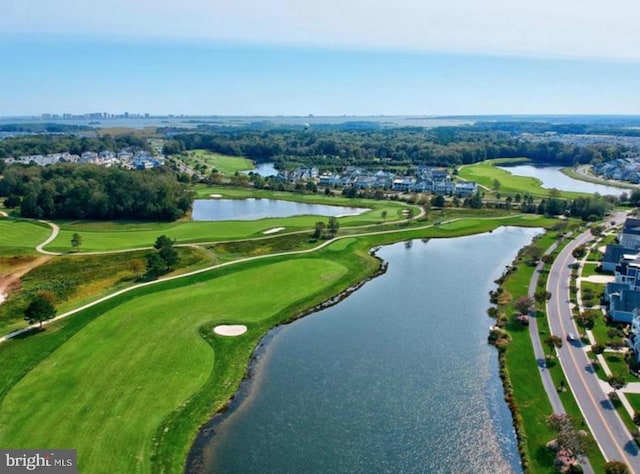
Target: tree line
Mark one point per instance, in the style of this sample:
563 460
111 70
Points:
92 192
384 148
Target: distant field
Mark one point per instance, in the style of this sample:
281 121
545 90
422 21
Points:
18 236
486 172
223 163
108 389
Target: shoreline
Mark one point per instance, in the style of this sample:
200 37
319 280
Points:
575 173
193 463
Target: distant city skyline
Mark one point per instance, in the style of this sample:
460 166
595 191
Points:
329 58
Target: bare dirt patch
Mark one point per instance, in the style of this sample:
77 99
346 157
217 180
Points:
10 279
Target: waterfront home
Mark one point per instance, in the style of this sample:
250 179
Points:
630 234
613 254
466 188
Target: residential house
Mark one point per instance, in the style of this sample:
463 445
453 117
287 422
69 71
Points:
630 235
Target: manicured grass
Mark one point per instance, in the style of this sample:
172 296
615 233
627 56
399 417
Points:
486 172
109 388
525 379
589 269
133 376
634 400
223 163
21 236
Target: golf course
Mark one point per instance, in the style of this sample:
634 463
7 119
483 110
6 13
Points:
129 380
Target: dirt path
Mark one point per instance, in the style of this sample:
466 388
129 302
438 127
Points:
11 280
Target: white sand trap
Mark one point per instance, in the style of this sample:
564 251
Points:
215 195
230 329
273 231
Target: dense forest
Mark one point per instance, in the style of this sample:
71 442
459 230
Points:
385 148
93 192
45 144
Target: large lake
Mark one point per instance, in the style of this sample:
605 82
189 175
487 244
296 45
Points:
552 177
253 209
396 378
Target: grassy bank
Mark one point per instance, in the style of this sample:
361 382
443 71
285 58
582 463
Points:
20 237
486 172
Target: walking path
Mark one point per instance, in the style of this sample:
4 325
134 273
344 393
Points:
221 265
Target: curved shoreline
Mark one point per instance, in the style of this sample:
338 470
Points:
193 462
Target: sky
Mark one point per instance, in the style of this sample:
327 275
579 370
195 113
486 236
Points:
289 57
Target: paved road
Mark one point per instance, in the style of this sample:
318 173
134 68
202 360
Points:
610 433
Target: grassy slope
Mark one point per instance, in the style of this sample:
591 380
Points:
113 371
223 163
484 173
19 237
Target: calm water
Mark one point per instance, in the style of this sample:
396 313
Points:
552 177
396 378
252 209
265 169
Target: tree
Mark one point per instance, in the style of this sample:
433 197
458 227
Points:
597 348
547 259
616 467
438 201
553 341
534 253
496 185
333 225
524 304
76 241
384 216
542 296
39 309
164 259
616 381
318 230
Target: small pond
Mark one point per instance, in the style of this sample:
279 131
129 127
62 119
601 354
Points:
253 209
552 177
264 169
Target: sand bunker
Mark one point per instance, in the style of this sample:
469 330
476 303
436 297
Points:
274 230
230 330
215 195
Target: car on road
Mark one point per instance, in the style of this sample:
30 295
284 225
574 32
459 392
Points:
571 337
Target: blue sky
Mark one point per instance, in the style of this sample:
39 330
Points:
366 58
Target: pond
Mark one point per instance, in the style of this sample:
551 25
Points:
253 209
552 177
396 378
264 169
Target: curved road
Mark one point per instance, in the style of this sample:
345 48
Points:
610 433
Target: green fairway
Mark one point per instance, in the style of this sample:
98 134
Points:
18 236
486 172
101 236
108 388
223 163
